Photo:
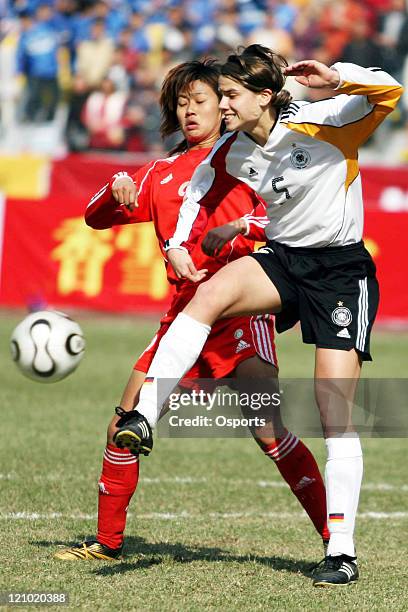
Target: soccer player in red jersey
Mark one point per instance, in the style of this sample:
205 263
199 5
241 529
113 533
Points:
241 347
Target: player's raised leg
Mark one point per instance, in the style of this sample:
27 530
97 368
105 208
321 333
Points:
337 373
241 287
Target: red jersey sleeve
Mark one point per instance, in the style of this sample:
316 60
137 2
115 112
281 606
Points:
103 211
256 223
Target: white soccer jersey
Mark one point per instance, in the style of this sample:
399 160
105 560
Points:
307 172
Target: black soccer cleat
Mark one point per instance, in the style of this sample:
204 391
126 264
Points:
134 432
89 551
315 566
335 571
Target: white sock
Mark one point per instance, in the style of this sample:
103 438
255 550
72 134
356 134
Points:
176 354
344 471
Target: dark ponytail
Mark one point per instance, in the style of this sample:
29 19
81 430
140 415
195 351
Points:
282 99
258 68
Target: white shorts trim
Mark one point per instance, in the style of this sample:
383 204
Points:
262 338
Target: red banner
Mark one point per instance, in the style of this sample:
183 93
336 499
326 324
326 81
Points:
50 257
385 189
384 236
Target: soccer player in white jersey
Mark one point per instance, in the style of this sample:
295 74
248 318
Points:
302 159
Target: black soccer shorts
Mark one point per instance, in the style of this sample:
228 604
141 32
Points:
332 291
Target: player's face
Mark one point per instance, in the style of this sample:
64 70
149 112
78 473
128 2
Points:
198 114
241 108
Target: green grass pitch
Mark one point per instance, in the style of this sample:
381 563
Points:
211 526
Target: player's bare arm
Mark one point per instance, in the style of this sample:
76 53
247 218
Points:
218 237
311 73
124 191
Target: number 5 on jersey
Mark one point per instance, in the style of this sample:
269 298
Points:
276 189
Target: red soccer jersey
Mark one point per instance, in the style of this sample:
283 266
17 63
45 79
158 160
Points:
161 187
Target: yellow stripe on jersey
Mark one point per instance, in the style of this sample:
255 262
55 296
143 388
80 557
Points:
347 138
342 138
383 97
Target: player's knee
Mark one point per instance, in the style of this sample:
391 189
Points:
211 296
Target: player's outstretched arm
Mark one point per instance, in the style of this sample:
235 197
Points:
312 73
366 96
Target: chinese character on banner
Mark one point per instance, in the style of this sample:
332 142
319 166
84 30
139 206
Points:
82 254
142 266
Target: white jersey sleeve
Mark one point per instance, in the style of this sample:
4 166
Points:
307 172
366 96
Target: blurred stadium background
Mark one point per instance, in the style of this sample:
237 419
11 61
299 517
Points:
78 102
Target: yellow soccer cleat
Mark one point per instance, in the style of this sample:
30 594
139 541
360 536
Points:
89 551
134 432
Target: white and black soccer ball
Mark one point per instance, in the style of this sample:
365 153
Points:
47 346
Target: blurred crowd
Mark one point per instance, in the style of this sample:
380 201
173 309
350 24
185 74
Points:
95 67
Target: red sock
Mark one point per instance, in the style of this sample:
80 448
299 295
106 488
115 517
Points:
298 467
118 482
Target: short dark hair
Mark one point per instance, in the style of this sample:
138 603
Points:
258 68
176 81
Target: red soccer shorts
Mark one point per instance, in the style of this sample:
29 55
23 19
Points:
230 342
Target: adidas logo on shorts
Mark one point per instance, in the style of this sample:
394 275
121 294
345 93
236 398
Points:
241 346
344 333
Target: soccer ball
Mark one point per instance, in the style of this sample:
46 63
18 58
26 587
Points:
47 346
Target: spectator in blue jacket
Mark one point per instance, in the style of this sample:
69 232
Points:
37 60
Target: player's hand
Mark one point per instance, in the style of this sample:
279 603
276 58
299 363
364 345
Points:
311 73
124 191
183 265
219 236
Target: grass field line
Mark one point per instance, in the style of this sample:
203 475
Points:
276 484
168 516
189 480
